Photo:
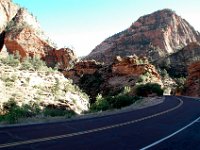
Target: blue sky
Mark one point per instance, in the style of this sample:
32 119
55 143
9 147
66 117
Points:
83 24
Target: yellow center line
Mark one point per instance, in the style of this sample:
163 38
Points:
89 131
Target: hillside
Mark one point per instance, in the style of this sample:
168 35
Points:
177 63
31 82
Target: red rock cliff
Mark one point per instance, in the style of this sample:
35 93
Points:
193 80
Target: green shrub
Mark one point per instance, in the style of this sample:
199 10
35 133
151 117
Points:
33 63
90 84
101 104
149 88
56 87
53 112
16 28
164 73
123 100
111 102
26 63
181 86
11 60
15 112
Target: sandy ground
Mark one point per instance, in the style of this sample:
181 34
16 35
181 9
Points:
146 102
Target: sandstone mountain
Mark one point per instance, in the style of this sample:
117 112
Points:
21 33
155 36
96 78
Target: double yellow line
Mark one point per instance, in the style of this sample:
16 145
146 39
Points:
89 131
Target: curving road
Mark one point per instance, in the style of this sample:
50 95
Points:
173 124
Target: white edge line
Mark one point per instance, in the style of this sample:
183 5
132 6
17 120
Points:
171 135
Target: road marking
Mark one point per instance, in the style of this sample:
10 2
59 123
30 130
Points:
89 131
171 135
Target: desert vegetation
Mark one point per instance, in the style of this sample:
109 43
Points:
114 102
149 89
30 89
13 113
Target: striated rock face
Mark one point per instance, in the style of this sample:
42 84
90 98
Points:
193 80
64 58
106 79
177 63
155 36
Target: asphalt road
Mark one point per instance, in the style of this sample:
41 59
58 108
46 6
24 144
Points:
131 130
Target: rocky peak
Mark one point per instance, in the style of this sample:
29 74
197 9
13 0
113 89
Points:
23 21
154 35
23 15
21 33
155 20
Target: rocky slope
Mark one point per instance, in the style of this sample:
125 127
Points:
96 78
177 63
32 82
21 33
155 36
193 80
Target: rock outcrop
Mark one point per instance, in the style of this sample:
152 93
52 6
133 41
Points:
193 80
81 68
24 35
64 58
177 63
21 33
96 78
133 67
155 36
